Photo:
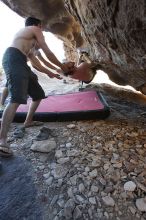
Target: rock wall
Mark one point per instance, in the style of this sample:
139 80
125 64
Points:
113 31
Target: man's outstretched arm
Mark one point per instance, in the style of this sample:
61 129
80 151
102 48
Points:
38 66
49 54
45 62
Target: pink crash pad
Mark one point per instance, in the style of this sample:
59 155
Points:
72 106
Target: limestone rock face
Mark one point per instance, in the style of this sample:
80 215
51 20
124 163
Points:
112 31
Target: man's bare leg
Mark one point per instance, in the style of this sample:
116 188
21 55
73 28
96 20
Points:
32 108
4 96
7 119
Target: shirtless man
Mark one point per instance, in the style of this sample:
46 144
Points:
21 81
36 65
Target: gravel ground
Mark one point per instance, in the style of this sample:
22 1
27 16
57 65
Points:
90 169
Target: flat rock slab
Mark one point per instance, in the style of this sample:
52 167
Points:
18 194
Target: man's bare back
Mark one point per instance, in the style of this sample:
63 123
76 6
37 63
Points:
82 72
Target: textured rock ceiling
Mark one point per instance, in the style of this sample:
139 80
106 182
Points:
114 31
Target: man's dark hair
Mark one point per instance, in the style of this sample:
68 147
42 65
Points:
30 21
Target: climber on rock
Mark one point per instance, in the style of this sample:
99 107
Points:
85 69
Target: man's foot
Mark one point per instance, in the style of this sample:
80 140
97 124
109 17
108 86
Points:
5 151
33 123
